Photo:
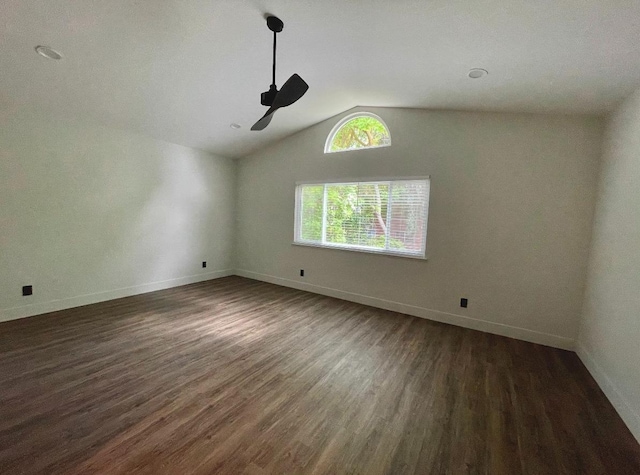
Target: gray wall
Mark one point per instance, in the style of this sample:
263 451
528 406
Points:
609 342
510 218
90 214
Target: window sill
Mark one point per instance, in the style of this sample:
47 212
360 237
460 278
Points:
328 152
381 252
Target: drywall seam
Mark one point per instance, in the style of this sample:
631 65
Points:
24 311
429 314
609 388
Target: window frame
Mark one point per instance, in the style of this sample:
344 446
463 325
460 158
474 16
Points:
297 241
343 121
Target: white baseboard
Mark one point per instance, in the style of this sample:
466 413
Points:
430 314
62 304
630 417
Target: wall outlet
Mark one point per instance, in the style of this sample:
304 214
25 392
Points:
27 290
204 264
464 303
301 272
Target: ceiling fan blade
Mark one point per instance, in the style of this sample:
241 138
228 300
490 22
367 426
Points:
265 119
291 91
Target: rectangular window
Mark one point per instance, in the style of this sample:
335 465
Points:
386 217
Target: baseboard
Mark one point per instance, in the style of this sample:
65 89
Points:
77 301
630 417
430 314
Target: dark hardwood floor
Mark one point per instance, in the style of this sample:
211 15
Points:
242 377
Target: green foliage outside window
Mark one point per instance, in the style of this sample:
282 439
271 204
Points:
311 219
356 214
386 216
360 132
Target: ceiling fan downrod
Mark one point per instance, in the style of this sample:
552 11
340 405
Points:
276 25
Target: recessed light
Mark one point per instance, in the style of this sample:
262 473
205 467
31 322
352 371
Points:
48 52
235 126
477 73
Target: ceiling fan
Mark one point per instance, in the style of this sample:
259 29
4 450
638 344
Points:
292 90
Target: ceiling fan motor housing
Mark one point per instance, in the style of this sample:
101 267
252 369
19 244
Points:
267 98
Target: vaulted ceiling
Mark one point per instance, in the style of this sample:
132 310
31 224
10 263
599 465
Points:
184 70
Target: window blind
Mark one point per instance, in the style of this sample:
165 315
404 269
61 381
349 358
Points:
380 216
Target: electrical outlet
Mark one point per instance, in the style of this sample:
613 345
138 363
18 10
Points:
204 264
464 303
27 290
301 272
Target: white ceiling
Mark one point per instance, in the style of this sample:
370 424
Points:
183 70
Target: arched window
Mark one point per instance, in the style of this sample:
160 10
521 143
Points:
358 131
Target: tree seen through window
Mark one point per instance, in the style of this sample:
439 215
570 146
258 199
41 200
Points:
362 131
386 215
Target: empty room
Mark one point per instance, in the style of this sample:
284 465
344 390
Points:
340 237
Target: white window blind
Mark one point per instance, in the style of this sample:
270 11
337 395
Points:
388 217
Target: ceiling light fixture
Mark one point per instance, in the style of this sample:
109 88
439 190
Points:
48 52
235 126
477 73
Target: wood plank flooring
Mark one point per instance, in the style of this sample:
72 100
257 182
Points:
235 376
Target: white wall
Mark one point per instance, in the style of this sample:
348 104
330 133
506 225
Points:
512 200
90 214
609 342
